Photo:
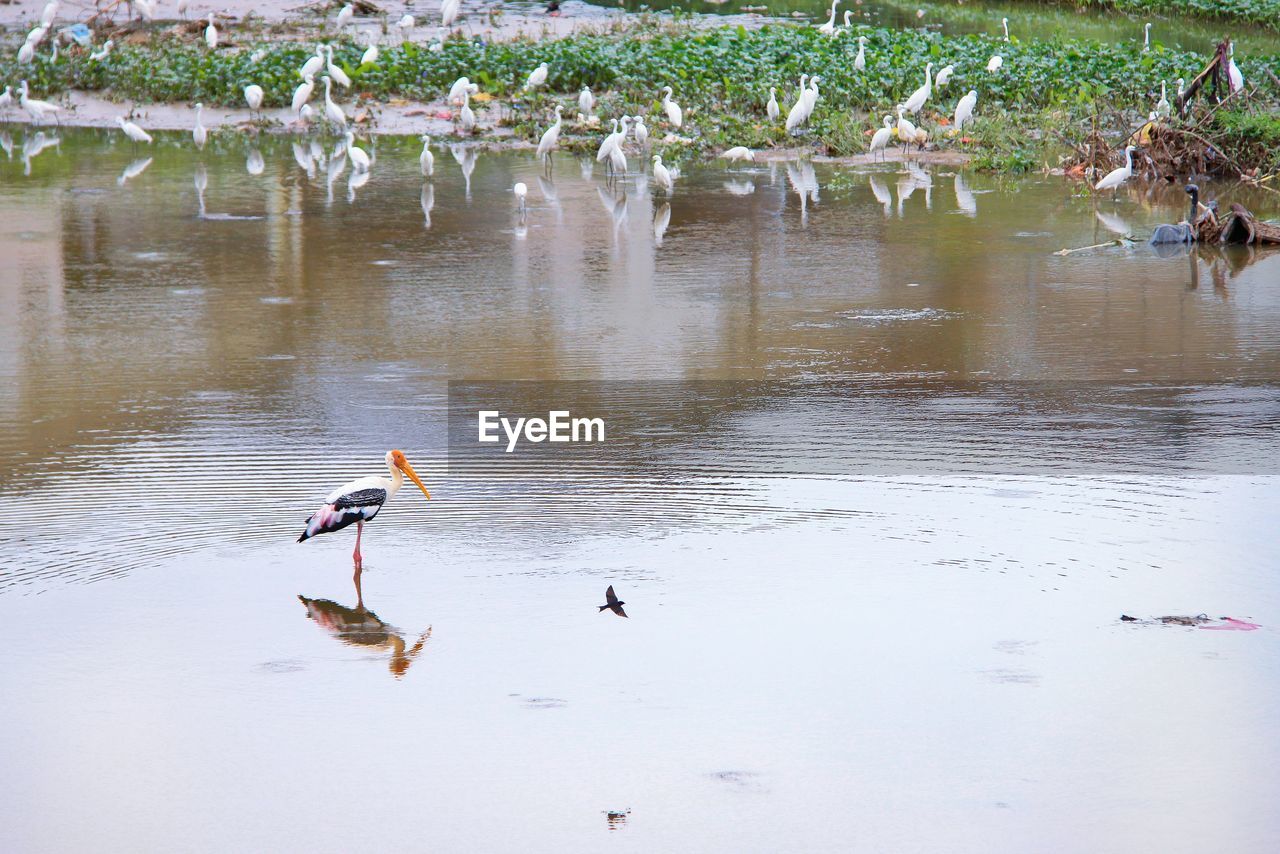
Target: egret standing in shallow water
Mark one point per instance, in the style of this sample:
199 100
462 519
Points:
881 138
427 160
550 137
641 132
466 118
253 97
662 175
360 500
359 158
1116 177
332 111
521 191
135 133
35 108
302 94
198 133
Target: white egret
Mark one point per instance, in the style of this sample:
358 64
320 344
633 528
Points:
345 14
339 76
772 109
641 132
199 135
360 500
302 94
6 98
1146 38
370 55
461 85
26 53
1116 177
994 63
829 28
860 61
880 140
306 114
662 175
438 45
1234 76
914 104
942 77
182 8
521 191
811 95
674 114
37 34
964 109
1004 22
145 9
211 34
253 97
613 139
1162 106
449 12
739 152
586 101
536 78
132 131
466 118
799 112
35 108
617 160
406 22
427 160
99 55
312 66
906 131
332 111
551 136
1181 90
49 13
359 158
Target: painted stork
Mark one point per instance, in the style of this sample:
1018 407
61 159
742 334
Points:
360 500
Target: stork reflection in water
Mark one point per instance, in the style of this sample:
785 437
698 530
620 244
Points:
359 627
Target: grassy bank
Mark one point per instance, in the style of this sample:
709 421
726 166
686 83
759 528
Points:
1262 13
720 76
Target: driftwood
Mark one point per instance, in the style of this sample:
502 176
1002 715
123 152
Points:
1214 75
1242 227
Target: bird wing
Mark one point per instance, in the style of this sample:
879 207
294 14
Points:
610 596
358 506
617 609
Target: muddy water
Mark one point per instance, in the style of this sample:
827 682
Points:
883 472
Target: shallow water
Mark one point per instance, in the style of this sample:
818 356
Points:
883 472
1025 20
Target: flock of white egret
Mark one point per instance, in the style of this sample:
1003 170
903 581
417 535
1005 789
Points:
612 150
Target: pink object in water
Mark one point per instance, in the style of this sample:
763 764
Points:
1231 624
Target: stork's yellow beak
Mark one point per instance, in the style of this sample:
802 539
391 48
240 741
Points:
413 476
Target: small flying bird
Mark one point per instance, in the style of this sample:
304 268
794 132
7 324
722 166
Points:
360 500
612 603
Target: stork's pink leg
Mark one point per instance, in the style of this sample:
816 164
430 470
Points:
356 554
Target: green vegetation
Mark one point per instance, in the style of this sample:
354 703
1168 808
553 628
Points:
1265 13
1254 138
721 76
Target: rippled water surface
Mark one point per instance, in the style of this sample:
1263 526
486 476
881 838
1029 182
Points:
882 473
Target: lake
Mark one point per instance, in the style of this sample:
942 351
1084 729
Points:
882 472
